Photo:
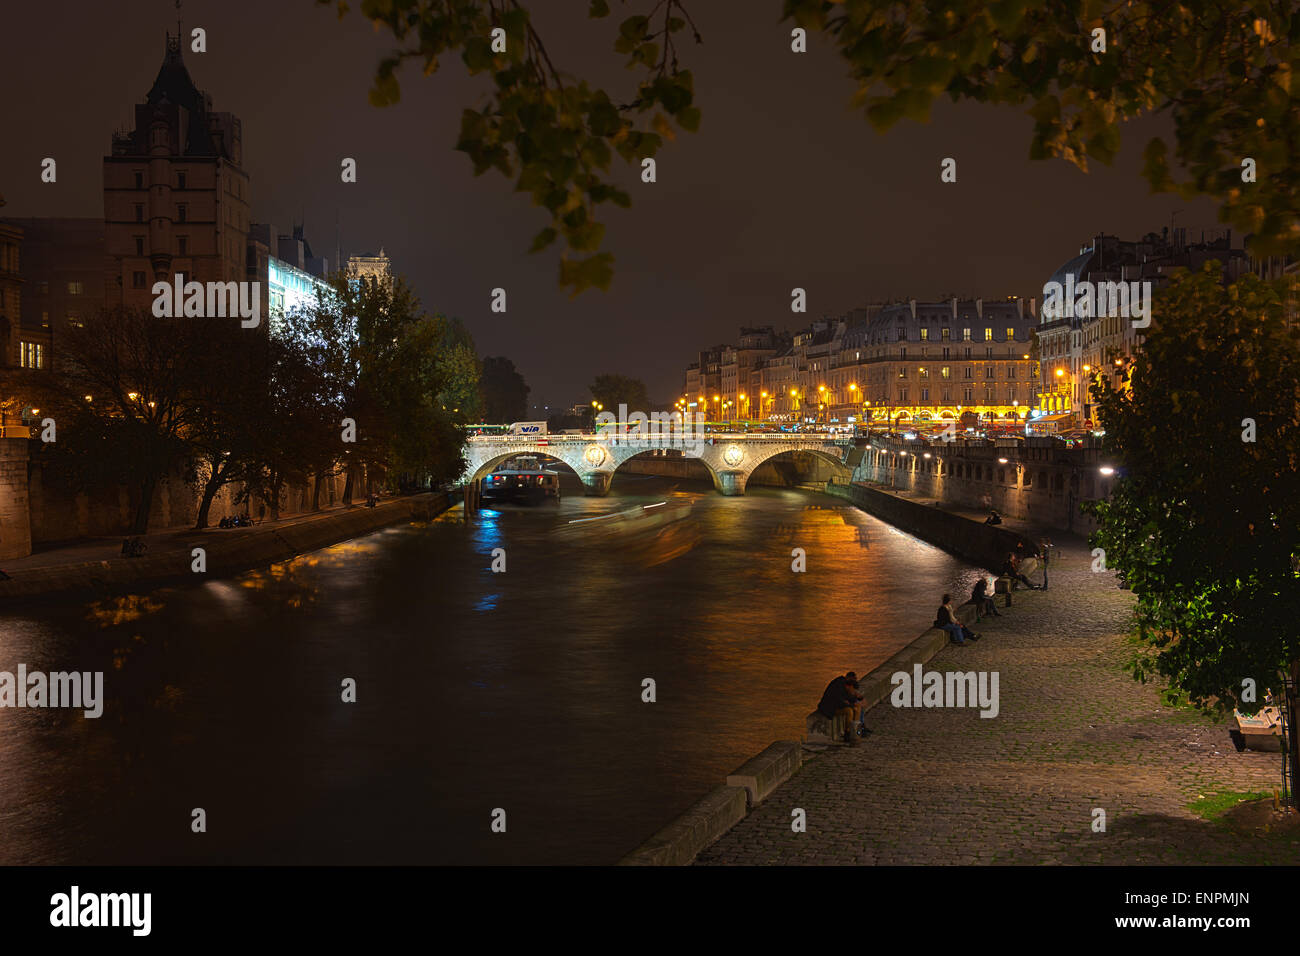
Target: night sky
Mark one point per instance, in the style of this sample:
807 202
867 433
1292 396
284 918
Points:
784 185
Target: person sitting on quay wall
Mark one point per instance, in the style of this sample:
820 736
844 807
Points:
958 633
984 605
1011 569
840 699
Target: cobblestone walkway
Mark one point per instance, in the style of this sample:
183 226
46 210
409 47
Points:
1075 732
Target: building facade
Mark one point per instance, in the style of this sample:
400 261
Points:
176 196
900 363
1075 350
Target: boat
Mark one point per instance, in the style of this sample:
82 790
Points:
521 479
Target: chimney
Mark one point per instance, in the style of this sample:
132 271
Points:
913 305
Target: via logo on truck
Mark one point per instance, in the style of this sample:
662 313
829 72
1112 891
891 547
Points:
527 429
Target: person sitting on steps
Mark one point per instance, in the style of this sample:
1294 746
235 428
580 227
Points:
984 605
840 700
958 633
1011 569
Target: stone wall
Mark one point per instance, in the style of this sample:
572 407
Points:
982 544
1042 480
57 511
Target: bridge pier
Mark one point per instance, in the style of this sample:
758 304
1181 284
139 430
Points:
473 496
596 483
731 482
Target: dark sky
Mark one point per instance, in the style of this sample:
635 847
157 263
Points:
783 186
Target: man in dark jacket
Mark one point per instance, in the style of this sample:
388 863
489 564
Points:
840 699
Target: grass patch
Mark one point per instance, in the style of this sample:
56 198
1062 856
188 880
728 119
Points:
1215 805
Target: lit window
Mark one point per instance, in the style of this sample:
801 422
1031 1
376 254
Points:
988 335
965 335
74 288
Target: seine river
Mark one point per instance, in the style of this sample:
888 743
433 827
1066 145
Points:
475 691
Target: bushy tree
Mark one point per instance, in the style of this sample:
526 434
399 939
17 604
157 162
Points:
612 390
1203 522
505 393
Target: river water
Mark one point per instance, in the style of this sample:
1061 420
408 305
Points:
475 691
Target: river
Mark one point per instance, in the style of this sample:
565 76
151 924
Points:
475 691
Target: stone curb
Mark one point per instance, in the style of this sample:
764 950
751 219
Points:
681 841
258 548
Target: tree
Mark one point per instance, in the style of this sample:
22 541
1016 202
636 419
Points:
124 400
1223 70
505 393
230 404
1203 523
461 373
614 390
380 363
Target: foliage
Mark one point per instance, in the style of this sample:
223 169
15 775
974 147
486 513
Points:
555 134
505 393
1202 525
377 358
1226 71
612 390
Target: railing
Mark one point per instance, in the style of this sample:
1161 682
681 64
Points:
838 438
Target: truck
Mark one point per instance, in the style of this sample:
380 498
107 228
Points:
527 429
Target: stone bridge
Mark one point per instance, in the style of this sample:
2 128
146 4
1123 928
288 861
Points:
730 458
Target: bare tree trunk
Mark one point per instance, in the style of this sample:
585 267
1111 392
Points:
347 485
315 492
140 524
210 490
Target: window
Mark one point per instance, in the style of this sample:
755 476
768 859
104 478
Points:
923 372
946 372
925 335
902 394
139 213
968 395
139 180
183 245
43 287
947 396
902 334
946 352
139 245
967 355
1011 371
946 334
74 318
902 353
45 320
965 335
988 352
32 355
925 394
180 180
180 213
988 371
137 280
75 288
1011 334
970 372
988 335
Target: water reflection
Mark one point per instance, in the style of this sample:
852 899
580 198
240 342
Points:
475 689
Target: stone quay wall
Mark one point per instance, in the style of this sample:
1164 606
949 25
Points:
1043 481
